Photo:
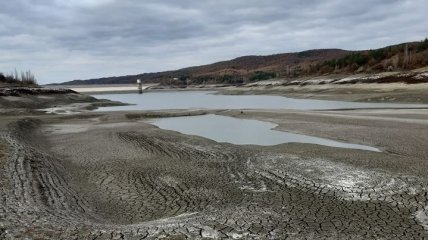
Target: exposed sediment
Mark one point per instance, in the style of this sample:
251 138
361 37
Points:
112 176
35 101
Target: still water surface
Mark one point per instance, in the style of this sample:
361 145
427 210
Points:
233 130
243 131
209 100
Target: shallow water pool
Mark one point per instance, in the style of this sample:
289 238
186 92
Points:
243 131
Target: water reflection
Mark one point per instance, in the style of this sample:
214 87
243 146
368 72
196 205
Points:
208 100
243 131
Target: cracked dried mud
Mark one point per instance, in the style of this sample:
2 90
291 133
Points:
108 176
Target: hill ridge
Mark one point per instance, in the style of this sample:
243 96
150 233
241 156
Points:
313 62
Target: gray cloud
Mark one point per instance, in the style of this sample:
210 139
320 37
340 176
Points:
64 40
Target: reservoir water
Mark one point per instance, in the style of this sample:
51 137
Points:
234 130
243 131
164 100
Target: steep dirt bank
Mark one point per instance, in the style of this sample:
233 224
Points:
111 175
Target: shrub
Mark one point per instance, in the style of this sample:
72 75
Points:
260 76
423 45
202 79
229 79
330 63
352 59
377 54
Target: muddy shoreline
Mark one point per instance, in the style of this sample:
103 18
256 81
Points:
393 93
111 175
354 88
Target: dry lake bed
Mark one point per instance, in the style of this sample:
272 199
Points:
196 165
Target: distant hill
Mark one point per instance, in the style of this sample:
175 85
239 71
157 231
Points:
317 62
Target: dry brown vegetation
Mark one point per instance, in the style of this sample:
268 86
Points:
23 79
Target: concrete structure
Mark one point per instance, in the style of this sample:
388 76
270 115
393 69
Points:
140 86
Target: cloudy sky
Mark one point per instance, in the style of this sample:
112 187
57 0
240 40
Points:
62 40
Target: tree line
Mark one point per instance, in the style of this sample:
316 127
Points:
25 78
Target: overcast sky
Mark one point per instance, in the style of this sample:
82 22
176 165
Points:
61 40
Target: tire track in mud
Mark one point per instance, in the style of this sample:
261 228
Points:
35 187
164 146
153 192
393 191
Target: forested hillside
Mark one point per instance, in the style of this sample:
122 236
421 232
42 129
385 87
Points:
402 57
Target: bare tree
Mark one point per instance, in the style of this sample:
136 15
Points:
406 56
394 61
25 78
